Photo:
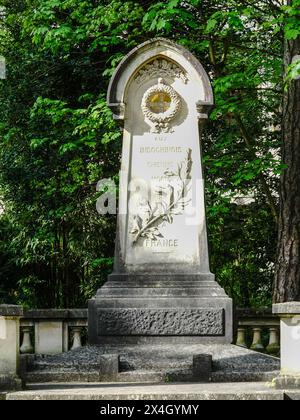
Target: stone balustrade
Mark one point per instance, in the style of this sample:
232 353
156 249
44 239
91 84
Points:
52 331
258 330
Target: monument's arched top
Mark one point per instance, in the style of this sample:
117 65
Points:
147 52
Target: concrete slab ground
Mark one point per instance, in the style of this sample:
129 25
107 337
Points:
171 391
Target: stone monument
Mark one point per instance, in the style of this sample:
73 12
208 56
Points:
161 290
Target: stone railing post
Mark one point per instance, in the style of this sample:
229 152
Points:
9 346
289 313
257 343
77 323
241 337
26 346
273 346
76 331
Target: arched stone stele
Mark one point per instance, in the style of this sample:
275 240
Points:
161 289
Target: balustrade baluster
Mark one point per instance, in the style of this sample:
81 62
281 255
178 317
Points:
241 337
76 338
257 343
273 346
26 346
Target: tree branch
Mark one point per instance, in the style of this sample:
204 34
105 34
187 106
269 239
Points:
212 55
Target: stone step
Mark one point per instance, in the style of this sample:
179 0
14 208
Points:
159 278
125 364
160 283
161 292
134 366
152 283
147 376
150 363
168 392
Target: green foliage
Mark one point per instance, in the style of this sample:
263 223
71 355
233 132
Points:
243 243
58 137
291 20
293 71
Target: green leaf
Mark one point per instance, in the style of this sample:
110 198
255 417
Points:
173 3
37 143
292 33
161 24
211 24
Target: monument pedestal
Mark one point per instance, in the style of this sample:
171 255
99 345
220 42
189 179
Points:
162 309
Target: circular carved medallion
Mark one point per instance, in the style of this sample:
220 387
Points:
160 105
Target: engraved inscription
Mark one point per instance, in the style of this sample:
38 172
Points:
160 138
161 149
158 164
169 322
161 243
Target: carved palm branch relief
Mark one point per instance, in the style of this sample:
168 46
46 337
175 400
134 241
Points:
173 200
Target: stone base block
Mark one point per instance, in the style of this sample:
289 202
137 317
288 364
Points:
10 382
173 311
202 367
287 381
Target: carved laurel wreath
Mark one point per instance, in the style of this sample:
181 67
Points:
161 119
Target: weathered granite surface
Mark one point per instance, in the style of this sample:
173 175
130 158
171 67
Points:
148 304
168 392
11 310
202 367
161 321
284 381
10 382
154 363
288 308
55 313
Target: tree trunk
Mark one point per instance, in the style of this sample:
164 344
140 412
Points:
287 279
